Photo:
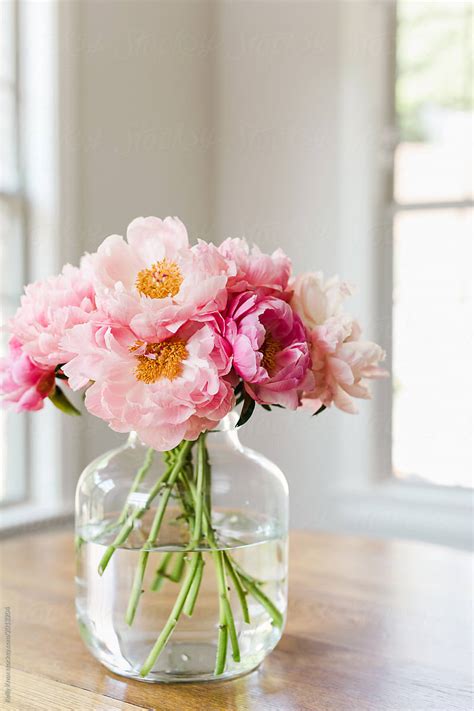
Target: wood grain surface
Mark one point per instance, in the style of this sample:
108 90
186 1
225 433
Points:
372 626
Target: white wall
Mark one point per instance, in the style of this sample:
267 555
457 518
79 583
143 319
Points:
276 177
144 107
300 111
229 115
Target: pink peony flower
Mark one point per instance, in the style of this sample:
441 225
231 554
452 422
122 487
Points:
341 360
154 282
24 384
270 349
253 269
165 391
316 300
48 309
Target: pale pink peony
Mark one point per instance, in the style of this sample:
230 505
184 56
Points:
154 282
341 360
48 309
253 268
23 383
164 391
316 300
270 348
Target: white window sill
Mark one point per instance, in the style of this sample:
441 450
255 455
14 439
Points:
17 518
406 510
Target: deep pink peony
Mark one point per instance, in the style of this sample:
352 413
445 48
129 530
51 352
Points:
165 391
154 282
270 348
341 360
253 268
24 384
48 309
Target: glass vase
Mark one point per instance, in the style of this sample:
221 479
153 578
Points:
195 601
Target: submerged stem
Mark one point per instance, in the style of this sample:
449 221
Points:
263 599
161 572
137 587
241 593
178 568
226 618
221 642
224 603
173 618
193 593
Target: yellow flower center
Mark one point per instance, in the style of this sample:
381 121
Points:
160 280
269 351
160 360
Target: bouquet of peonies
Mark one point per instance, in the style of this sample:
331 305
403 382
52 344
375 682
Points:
165 339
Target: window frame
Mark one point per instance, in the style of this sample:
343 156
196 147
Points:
47 121
368 498
12 197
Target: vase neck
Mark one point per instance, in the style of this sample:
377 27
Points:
226 427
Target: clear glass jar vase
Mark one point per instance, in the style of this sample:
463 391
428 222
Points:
182 604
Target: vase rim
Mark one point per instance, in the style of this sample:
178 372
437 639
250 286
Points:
226 425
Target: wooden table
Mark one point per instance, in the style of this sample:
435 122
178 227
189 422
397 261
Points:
372 625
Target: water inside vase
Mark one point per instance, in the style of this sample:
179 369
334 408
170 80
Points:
190 654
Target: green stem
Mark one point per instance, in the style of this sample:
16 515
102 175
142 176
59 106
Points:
139 476
193 593
178 568
221 642
186 498
260 596
137 589
173 618
207 485
225 603
128 525
200 478
226 618
200 493
252 587
153 534
161 572
241 593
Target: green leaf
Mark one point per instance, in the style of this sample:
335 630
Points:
267 407
247 410
321 409
60 401
239 393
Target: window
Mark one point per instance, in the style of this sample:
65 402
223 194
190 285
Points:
13 428
406 231
39 453
432 244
